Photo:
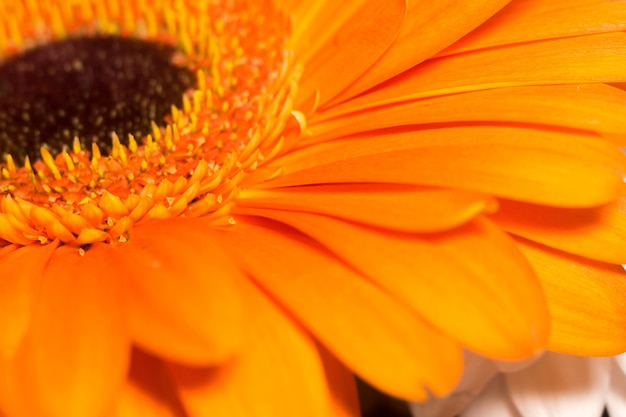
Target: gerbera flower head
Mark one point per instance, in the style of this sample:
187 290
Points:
265 197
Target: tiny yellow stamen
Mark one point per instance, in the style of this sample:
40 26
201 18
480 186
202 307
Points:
49 161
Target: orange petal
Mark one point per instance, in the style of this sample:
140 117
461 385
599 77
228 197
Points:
586 300
545 167
279 372
149 390
21 271
184 292
454 280
402 208
593 107
529 20
355 320
355 45
342 386
74 358
577 60
597 233
429 27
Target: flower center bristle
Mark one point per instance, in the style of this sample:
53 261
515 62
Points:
236 115
86 87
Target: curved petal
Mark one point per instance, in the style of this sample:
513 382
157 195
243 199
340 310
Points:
453 280
279 372
561 385
544 167
596 233
74 358
530 20
185 300
331 66
493 401
149 390
477 372
435 24
593 107
585 299
356 321
616 397
576 60
402 208
21 270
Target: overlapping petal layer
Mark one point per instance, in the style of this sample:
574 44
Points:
590 107
463 268
585 299
77 343
281 355
596 233
435 25
169 291
355 319
394 207
18 291
532 165
596 58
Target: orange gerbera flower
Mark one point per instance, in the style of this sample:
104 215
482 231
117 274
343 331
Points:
360 186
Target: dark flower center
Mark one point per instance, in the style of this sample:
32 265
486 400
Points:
87 87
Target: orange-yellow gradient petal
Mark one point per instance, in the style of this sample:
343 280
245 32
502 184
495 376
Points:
586 300
353 318
596 233
429 27
356 43
599 57
22 270
538 166
454 280
403 208
77 344
530 20
279 372
182 309
593 107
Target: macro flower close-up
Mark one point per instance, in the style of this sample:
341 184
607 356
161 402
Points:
232 207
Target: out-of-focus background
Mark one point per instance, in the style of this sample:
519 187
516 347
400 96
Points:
377 404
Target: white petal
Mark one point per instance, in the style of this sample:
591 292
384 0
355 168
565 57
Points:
507 366
493 402
477 371
561 385
621 361
616 398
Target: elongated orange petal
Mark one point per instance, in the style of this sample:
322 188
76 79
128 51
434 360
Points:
594 58
402 208
529 20
598 233
22 270
454 280
429 27
354 319
585 299
149 390
184 292
353 47
545 167
74 358
594 107
280 371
